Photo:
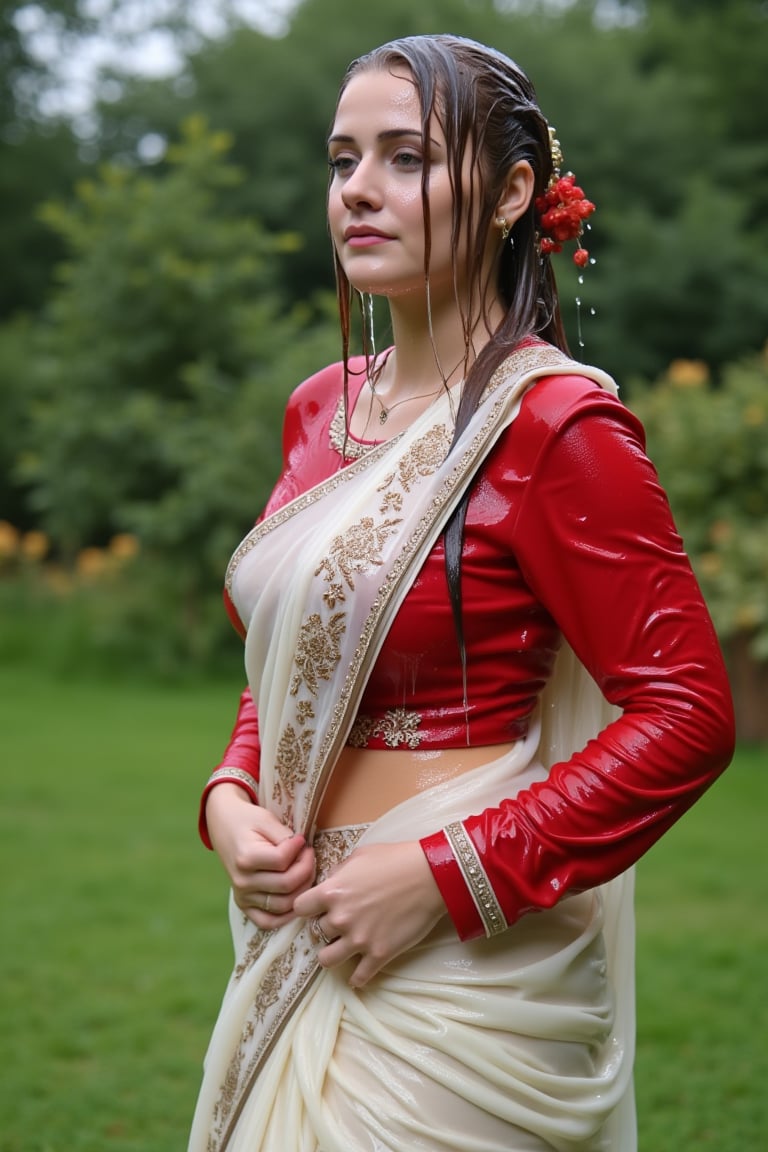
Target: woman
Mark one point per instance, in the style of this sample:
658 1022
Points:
482 680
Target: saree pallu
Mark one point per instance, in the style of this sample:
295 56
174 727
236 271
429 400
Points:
521 1042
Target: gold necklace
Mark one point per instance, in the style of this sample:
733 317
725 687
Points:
385 410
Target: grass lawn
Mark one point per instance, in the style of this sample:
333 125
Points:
114 948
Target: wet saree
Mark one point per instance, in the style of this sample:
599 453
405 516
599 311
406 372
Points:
520 1042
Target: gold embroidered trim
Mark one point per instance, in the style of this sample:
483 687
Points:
397 726
332 845
476 879
234 776
300 503
287 977
341 441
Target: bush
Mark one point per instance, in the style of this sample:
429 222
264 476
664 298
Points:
709 442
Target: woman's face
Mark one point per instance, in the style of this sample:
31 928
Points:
374 202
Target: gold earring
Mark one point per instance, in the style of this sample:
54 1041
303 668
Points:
505 228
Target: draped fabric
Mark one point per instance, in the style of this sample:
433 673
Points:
521 1042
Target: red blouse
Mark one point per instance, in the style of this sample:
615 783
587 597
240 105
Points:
568 533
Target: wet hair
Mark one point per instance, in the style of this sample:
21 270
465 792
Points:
487 108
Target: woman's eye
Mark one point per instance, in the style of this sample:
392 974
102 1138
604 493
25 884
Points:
340 165
408 160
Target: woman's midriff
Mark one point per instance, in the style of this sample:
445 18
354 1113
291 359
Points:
367 782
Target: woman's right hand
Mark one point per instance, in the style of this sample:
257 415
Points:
267 863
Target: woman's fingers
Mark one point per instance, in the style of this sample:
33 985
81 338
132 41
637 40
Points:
267 896
381 901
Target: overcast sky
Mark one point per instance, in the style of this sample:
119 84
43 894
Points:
129 41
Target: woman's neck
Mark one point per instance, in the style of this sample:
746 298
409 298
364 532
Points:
430 356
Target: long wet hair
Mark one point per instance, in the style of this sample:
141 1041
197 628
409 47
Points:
487 108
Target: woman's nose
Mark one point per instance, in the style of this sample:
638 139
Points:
363 186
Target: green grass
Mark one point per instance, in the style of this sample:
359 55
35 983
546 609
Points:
114 948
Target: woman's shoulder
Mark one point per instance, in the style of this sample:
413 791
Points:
327 383
561 408
556 397
575 393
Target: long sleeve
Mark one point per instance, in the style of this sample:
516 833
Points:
240 762
595 540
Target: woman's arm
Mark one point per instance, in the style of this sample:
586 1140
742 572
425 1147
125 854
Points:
595 539
239 764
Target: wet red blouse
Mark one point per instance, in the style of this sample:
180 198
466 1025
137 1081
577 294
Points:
568 533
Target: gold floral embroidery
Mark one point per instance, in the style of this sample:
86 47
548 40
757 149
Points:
284 982
274 978
305 711
333 845
341 441
422 459
293 752
317 651
358 550
253 950
397 726
360 732
333 593
270 993
228 1093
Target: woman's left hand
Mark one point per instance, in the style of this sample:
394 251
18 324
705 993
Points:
381 901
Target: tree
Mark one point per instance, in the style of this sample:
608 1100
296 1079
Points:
38 159
159 374
711 450
661 116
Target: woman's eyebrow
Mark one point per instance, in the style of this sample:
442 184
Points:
387 134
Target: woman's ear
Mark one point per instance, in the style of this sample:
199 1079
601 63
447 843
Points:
517 193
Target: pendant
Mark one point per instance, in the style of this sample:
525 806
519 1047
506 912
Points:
383 414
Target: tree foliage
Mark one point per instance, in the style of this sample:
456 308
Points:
711 450
159 374
141 386
38 159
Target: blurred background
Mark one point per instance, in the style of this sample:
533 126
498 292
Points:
165 281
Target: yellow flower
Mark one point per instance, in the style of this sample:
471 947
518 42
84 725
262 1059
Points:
721 531
688 373
91 563
746 617
710 564
124 546
9 539
754 415
34 545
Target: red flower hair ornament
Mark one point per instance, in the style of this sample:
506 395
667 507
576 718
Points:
562 210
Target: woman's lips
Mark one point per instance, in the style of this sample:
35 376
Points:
361 236
367 240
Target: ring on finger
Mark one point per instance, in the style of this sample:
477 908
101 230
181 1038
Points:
267 900
317 931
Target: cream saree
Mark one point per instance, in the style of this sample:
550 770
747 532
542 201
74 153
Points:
522 1041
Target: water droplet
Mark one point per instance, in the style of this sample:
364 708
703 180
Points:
578 301
581 279
593 312
592 260
588 227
